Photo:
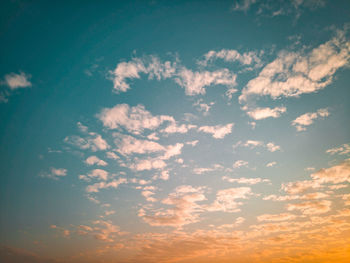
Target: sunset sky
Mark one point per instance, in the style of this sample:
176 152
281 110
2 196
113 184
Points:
175 131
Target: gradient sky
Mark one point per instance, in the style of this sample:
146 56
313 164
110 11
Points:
175 131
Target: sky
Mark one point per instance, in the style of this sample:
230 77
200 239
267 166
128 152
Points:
175 131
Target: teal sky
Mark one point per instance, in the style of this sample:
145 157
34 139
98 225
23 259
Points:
132 130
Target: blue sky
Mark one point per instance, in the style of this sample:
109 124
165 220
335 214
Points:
133 130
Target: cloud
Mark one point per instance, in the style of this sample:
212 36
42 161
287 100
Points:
300 186
240 163
243 5
128 145
292 74
341 150
308 118
103 185
215 167
276 218
263 113
131 70
92 160
243 180
132 119
184 208
270 146
94 142
194 82
55 173
232 55
203 107
271 164
147 164
16 81
311 208
271 8
98 173
226 199
218 131
336 174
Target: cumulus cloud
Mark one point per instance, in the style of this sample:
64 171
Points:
311 207
307 119
270 146
336 174
271 8
276 217
231 55
131 70
341 150
13 81
203 107
16 81
218 131
240 163
271 164
226 199
132 119
93 141
243 180
55 173
98 173
95 188
184 208
92 160
292 74
194 83
263 113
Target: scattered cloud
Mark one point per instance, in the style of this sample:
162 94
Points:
263 113
55 173
341 150
218 131
307 119
94 160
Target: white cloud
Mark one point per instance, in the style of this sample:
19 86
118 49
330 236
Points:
232 55
94 142
203 107
226 199
218 131
243 180
16 81
272 8
341 150
276 218
103 185
133 119
336 174
271 164
184 208
311 207
263 113
128 145
147 164
92 160
308 118
55 173
131 70
240 163
292 74
272 147
98 173
194 82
